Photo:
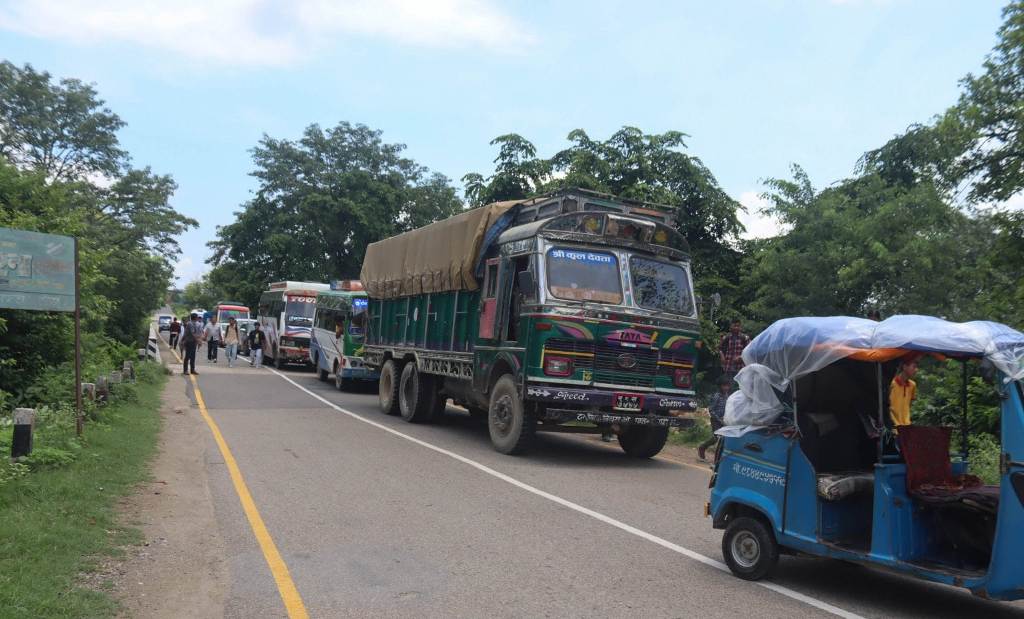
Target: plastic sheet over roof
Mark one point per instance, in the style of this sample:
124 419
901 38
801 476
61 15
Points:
437 258
795 347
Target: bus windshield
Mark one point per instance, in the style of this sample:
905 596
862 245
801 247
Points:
661 286
224 314
584 275
299 311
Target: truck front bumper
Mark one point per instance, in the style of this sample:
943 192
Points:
604 406
363 373
294 355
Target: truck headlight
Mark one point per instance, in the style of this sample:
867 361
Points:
558 366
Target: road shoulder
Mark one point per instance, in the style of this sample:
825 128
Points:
181 570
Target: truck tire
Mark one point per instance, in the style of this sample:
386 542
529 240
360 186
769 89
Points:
278 361
387 387
511 427
749 548
417 395
642 441
321 373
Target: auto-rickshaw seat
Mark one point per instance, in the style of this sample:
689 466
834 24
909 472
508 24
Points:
930 476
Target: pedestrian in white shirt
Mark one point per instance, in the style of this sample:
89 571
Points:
213 339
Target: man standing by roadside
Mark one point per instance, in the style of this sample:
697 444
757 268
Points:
175 332
212 336
730 349
191 337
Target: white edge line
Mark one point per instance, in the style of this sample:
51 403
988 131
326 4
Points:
664 543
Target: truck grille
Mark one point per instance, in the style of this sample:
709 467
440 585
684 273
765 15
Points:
608 367
606 361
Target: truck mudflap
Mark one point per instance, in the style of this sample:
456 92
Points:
564 415
619 401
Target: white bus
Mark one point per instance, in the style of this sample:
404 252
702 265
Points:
286 316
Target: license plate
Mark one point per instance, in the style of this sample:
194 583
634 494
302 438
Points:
628 402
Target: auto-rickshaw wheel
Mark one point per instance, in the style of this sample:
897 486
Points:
749 548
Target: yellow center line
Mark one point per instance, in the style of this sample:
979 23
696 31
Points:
285 585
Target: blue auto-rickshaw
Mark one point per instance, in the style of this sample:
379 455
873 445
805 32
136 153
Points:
810 464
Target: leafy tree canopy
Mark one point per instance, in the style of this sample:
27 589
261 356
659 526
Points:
322 199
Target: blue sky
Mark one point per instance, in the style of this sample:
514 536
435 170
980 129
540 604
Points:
758 85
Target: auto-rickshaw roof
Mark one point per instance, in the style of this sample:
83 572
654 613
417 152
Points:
793 347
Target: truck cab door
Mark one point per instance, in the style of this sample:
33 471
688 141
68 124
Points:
489 300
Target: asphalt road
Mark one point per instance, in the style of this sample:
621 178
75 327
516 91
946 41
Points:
372 523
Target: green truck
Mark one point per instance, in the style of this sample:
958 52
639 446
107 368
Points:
571 312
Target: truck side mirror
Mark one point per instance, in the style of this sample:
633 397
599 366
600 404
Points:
527 286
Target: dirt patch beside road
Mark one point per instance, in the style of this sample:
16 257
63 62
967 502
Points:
181 570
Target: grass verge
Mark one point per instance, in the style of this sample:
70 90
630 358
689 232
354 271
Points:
691 436
59 523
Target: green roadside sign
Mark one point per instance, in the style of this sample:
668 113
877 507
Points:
37 271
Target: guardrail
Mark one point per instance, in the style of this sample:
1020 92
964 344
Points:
152 350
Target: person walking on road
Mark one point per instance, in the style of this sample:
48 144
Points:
256 341
191 338
716 412
231 341
175 332
213 338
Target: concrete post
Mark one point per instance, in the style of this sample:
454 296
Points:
102 389
116 378
24 422
129 371
142 354
89 391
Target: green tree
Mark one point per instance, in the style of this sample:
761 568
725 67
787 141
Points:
861 244
991 114
57 142
322 199
61 129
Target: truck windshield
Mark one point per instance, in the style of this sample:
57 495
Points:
299 311
583 275
661 286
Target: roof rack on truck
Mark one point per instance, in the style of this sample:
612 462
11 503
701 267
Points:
584 200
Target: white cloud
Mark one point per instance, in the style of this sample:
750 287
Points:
186 270
758 224
263 32
1015 203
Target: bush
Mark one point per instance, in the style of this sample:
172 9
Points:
55 441
984 457
699 432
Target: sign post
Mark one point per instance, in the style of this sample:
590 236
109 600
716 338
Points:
40 272
79 417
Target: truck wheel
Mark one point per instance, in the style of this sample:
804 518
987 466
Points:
321 373
749 548
417 397
387 388
512 428
278 361
642 441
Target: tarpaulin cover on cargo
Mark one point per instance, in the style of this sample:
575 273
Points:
440 257
795 347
